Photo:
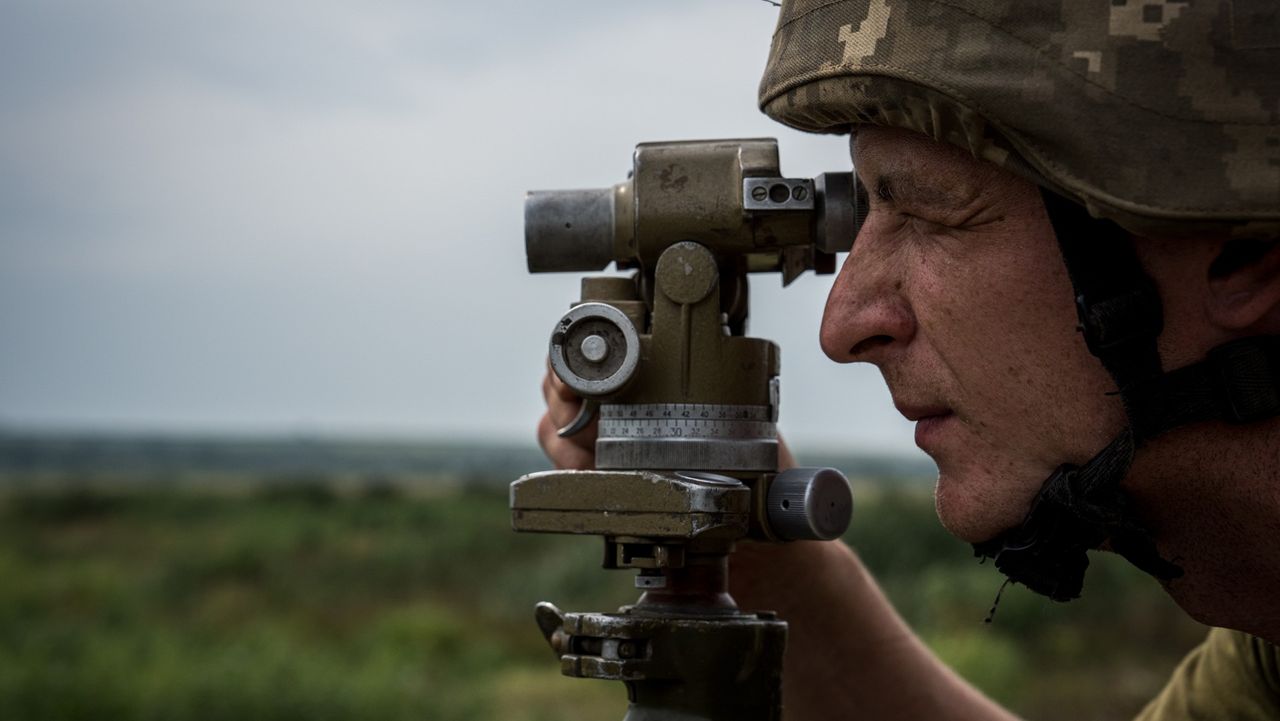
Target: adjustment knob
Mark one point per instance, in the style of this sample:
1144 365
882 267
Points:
809 504
595 350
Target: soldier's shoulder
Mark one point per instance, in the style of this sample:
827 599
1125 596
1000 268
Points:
1232 675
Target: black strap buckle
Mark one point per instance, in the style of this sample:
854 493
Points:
1111 323
1247 374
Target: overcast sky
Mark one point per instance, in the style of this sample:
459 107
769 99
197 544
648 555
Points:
290 217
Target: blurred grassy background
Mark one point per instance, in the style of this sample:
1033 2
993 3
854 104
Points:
400 594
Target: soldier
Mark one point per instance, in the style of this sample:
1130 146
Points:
1070 279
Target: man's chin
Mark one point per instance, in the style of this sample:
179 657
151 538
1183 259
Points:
967 530
969 519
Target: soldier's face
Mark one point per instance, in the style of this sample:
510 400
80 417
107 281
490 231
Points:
955 289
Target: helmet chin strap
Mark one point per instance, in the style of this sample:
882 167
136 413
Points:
1080 507
1077 509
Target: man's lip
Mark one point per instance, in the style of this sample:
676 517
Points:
915 413
928 427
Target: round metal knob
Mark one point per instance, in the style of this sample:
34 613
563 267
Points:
595 349
809 504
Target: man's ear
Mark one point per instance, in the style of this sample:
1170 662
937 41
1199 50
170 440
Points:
1244 286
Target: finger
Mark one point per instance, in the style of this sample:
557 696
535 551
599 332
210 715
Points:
563 453
546 388
564 392
586 438
563 412
546 434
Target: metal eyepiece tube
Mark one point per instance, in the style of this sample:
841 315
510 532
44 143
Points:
841 210
568 230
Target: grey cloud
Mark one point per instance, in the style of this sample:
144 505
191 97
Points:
281 216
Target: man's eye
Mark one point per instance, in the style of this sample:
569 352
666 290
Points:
884 191
925 226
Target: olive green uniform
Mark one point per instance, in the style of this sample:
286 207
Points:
1231 676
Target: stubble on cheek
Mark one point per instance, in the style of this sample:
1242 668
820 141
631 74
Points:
999 450
978 498
1028 397
990 476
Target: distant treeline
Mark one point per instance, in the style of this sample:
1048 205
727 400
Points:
152 456
158 456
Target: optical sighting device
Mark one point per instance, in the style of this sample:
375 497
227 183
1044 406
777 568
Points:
687 450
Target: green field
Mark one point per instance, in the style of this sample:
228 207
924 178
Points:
313 600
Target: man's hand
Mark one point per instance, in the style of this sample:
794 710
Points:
577 452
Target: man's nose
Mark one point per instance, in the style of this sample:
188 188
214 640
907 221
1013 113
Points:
867 317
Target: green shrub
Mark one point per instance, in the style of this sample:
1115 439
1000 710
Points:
297 602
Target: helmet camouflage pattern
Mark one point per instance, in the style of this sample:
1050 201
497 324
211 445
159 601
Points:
1163 115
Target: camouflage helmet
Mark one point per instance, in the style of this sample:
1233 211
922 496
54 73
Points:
1163 115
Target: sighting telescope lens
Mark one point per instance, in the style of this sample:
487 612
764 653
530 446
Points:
568 230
